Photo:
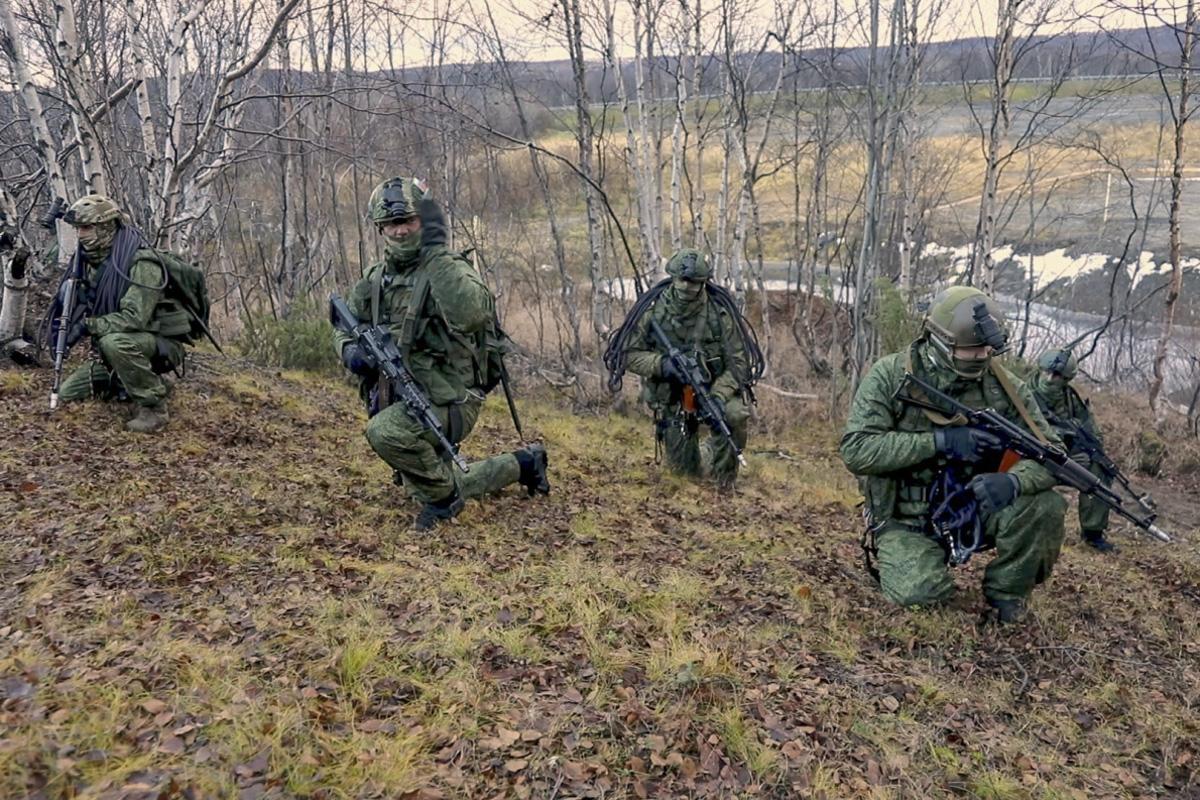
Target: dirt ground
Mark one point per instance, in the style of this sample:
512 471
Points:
236 608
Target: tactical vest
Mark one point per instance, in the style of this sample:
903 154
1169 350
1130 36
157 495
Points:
448 364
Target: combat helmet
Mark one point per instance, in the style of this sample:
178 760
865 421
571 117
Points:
1059 362
690 265
395 199
92 209
962 316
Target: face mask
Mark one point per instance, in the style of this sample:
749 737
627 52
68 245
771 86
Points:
687 290
1054 380
969 368
403 249
96 247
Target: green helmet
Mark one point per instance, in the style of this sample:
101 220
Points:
395 199
1059 362
962 316
92 209
689 264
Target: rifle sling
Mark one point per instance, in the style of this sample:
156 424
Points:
1015 398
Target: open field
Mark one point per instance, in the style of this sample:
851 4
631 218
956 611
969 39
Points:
237 609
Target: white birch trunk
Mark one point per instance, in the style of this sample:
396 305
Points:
37 121
80 98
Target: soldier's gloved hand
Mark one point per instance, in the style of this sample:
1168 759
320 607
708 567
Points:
994 490
358 361
433 222
670 373
966 444
75 332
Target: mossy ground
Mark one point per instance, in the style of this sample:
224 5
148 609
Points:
236 608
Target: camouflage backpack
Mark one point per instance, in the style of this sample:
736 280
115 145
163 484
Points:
186 285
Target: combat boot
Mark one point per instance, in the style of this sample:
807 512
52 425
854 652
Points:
534 462
437 511
1096 539
1007 612
148 419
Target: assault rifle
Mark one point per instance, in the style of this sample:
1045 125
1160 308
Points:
377 341
1065 470
1085 441
696 398
61 346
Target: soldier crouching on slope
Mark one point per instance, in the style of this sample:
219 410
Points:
1073 421
701 322
121 301
927 477
439 312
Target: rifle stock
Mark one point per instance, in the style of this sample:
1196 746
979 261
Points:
60 342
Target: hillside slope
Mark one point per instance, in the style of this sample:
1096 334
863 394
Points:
237 609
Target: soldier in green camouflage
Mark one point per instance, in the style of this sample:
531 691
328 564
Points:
705 329
1055 394
136 330
439 313
909 458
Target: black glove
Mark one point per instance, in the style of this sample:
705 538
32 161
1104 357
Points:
670 373
994 490
358 361
75 332
966 444
433 222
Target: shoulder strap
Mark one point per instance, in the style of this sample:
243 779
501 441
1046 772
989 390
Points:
416 302
376 294
1014 397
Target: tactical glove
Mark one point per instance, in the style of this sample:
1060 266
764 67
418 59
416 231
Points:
433 222
358 360
670 374
966 444
75 332
994 490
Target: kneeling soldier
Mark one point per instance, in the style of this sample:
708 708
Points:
1073 422
934 486
440 315
137 328
698 360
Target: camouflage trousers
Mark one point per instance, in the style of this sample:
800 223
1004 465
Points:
686 455
125 363
1027 536
412 452
1093 515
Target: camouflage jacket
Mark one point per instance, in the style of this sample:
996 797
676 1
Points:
889 444
145 306
1064 403
438 311
709 335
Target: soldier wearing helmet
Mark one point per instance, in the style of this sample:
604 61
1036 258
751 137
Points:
442 316
1056 396
910 461
137 330
701 320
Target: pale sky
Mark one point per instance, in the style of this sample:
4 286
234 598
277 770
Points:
526 39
